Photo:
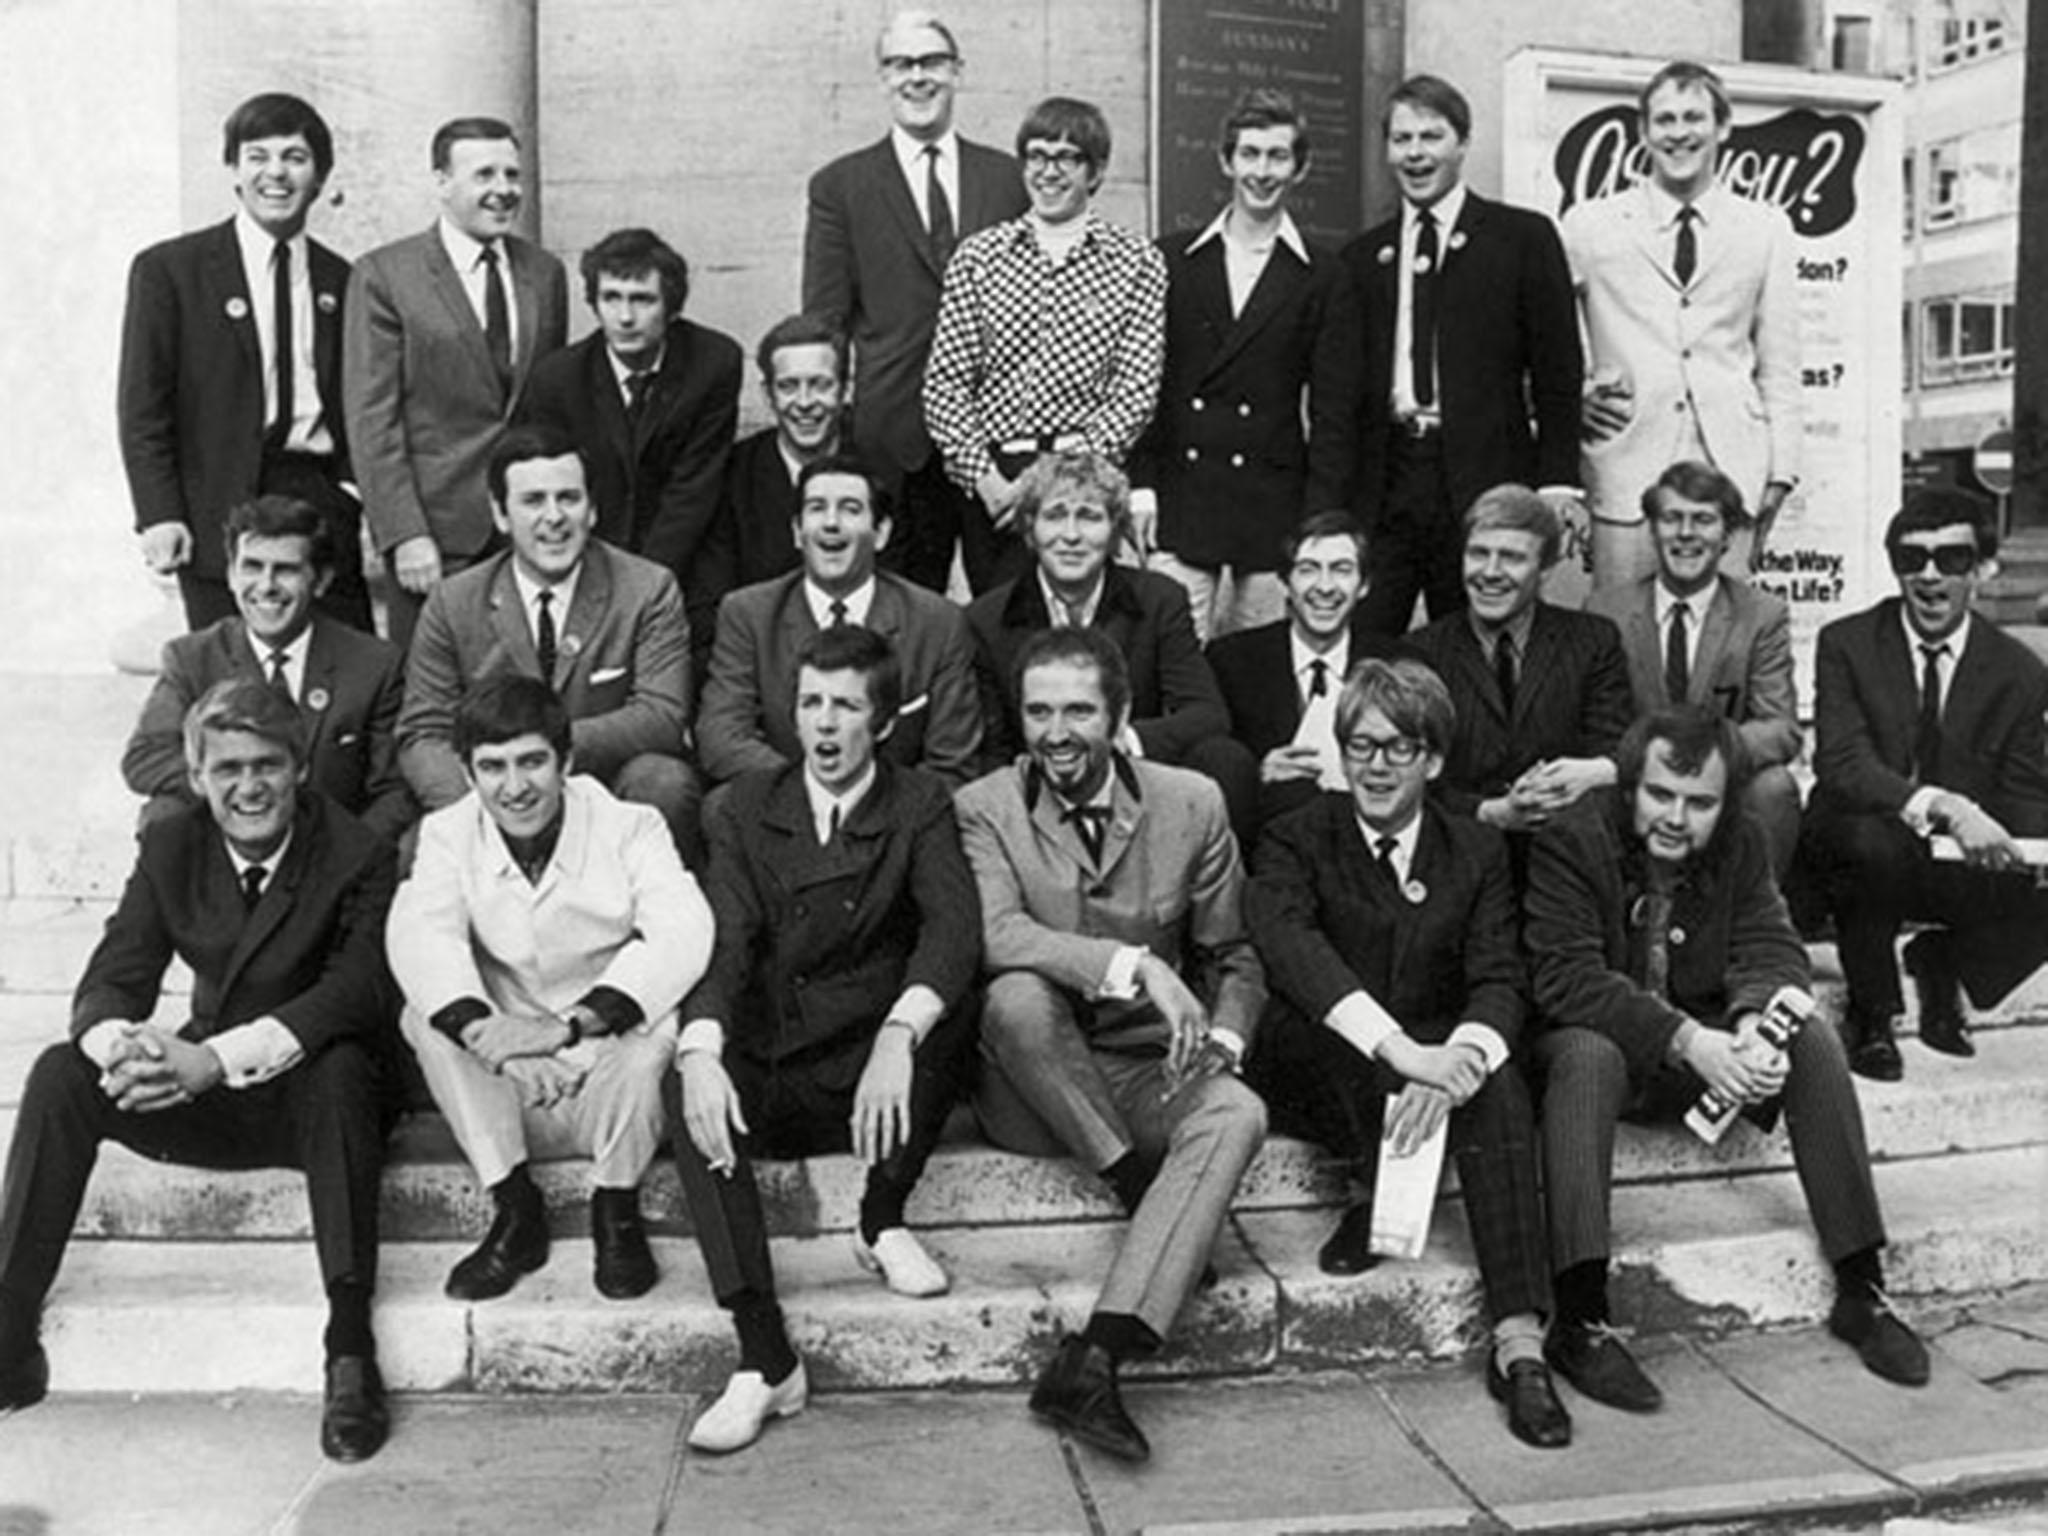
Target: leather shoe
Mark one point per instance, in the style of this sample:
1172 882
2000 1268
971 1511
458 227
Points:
1535 1416
1348 1250
1887 1347
623 1264
1077 1393
353 1418
744 1408
516 1245
1940 994
1593 1359
25 1381
1873 1051
900 1259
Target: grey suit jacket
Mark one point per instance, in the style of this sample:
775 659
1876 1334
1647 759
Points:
424 403
1741 666
622 665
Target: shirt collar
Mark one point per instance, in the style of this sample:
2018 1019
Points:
622 372
257 244
857 602
465 250
1404 840
1664 207
1696 605
269 866
1955 639
1056 607
530 590
1518 630
1338 656
910 150
1445 210
822 800
1288 234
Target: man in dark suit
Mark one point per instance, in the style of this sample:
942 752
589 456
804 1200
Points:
603 628
651 398
1471 331
1257 319
1123 991
1073 510
230 381
348 685
1388 932
275 899
444 328
881 226
1930 725
832 1018
1696 636
842 523
1656 938
1544 690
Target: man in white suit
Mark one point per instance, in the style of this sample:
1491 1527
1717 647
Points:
1689 298
544 940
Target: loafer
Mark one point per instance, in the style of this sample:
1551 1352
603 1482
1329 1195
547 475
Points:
1348 1251
1535 1416
516 1245
1943 1027
1881 1339
744 1408
354 1420
900 1259
25 1380
622 1264
1873 1048
1593 1359
1077 1393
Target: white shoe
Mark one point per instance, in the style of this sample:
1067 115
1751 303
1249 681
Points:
747 1403
901 1261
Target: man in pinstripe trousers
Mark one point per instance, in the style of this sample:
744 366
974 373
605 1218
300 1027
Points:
1656 936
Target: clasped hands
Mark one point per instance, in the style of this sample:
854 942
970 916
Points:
1738 1067
523 1047
151 1069
1439 1079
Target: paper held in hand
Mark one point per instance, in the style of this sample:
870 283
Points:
2034 850
1404 1195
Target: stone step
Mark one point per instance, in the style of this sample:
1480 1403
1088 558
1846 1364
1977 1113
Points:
1714 1256
1998 1100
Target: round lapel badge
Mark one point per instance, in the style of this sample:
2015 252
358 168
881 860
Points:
238 308
318 699
1416 892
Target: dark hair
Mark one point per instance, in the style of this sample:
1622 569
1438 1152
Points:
856 648
1329 524
1687 76
275 115
630 253
538 440
800 331
1080 123
456 129
506 707
244 704
1521 510
1696 481
1264 107
1411 696
880 502
1077 646
1692 734
280 517
1429 93
1937 506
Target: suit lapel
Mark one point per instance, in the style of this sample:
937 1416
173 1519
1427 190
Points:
1640 216
1715 627
610 405
276 899
228 296
1283 275
316 684
888 183
526 294
447 285
593 600
510 619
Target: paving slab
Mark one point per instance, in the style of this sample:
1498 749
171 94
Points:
1711 1453
1951 1436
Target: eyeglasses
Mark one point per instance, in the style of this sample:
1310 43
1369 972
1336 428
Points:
920 63
1401 752
1067 160
1949 559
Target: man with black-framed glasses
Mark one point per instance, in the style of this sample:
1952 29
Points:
1932 760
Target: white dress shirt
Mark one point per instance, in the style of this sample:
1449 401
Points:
308 432
467 253
910 155
1445 211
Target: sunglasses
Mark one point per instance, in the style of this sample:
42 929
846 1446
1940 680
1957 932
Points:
1949 559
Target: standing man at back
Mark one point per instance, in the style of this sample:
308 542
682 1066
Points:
443 329
230 380
880 228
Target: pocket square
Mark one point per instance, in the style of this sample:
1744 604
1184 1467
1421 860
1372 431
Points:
913 706
606 675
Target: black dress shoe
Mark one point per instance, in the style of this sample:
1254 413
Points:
25 1381
1535 1416
516 1245
1592 1358
1942 1025
1887 1347
353 1420
624 1264
1349 1249
1077 1393
1873 1050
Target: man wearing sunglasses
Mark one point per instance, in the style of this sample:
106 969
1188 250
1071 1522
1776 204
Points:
1932 760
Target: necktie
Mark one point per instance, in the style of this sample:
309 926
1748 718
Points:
1089 821
1422 310
938 211
544 637
1383 855
279 683
281 299
497 317
832 824
838 612
1318 678
1686 255
1677 665
1927 740
1504 671
252 887
637 385
1657 941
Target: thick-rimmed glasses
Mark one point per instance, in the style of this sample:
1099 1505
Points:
1400 752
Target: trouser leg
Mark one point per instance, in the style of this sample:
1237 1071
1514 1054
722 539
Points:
1042 1090
1493 1138
335 1113
617 1114
482 1108
1825 1125
1585 1088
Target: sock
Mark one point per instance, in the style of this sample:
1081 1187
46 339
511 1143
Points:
1129 1178
1860 1274
764 1345
1582 1292
348 1321
1517 1338
1123 1336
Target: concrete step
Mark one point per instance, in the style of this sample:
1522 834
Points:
1998 1100
1714 1256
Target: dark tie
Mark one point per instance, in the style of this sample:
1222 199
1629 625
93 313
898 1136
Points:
1685 257
838 612
252 887
281 299
1318 678
1657 941
1504 671
1927 741
1422 310
637 384
938 211
1383 855
544 637
279 683
1677 665
832 824
497 317
1091 822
